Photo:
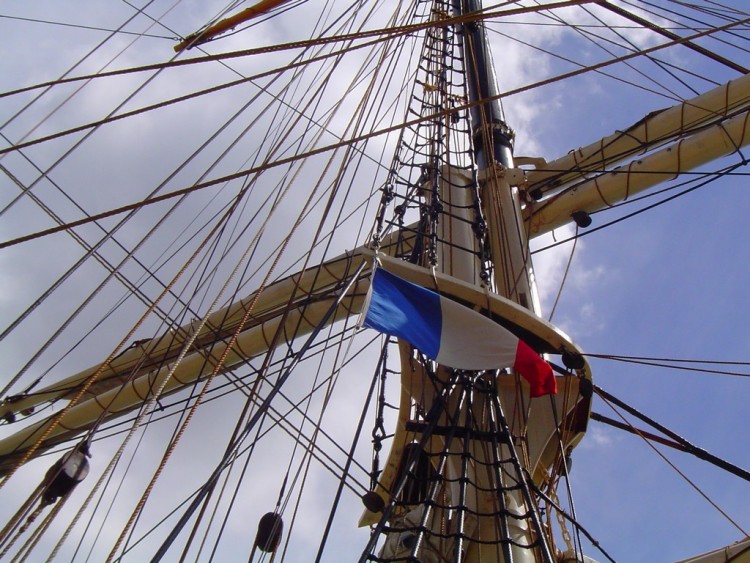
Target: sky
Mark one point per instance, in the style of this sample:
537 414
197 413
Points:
667 283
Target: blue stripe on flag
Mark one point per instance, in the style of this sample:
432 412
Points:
408 311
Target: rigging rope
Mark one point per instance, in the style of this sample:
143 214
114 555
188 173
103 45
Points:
712 176
80 26
376 379
333 146
386 33
611 402
666 33
131 253
663 363
565 276
252 422
95 376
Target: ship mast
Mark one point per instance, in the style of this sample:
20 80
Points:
466 464
457 484
512 277
493 149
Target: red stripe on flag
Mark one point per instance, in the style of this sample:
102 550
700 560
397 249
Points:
535 370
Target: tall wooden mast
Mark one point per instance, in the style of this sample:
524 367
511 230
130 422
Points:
493 149
467 458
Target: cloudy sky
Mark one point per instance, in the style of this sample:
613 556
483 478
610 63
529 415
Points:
667 283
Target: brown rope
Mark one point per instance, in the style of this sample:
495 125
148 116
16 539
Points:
94 377
359 138
246 316
383 33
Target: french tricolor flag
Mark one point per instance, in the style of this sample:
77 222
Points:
449 333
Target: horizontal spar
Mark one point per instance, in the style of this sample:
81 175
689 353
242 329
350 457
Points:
657 127
617 185
145 356
124 397
130 396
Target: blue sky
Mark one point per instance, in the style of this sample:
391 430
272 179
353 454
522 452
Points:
670 282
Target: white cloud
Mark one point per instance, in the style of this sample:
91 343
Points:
599 438
128 159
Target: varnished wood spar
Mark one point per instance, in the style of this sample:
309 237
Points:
200 37
124 399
